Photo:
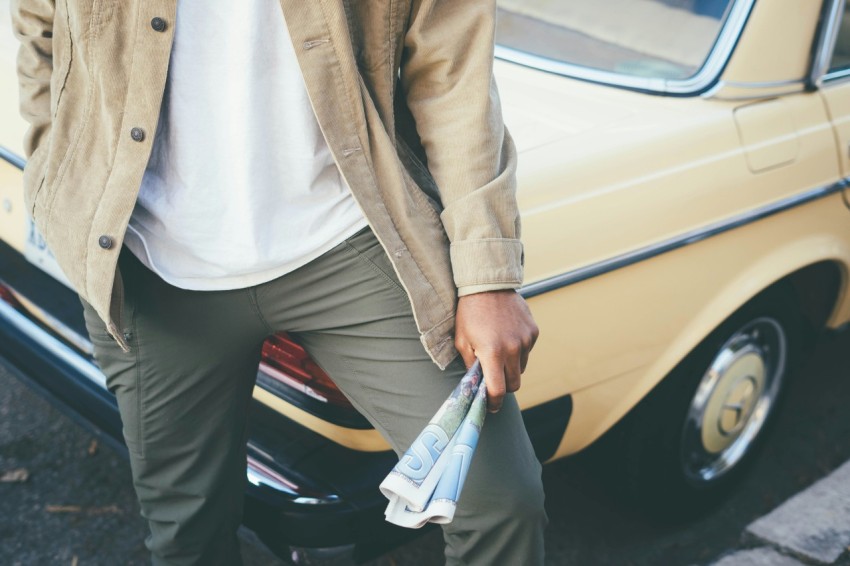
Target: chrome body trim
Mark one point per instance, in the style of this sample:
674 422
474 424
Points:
80 342
714 64
690 237
825 44
260 475
13 158
52 344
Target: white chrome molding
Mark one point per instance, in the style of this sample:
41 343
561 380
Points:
579 72
684 239
261 475
825 44
53 345
12 157
704 78
77 340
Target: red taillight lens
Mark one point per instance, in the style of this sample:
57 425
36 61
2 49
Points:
287 362
7 296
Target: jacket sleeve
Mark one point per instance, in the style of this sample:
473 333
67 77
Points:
447 80
32 22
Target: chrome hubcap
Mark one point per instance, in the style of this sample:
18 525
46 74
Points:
733 400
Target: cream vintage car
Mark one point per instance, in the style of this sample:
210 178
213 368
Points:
684 188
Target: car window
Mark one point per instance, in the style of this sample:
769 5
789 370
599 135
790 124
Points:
841 55
666 39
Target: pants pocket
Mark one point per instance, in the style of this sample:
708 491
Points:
121 369
367 247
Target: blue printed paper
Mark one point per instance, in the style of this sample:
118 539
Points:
427 481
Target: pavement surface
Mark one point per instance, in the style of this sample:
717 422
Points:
66 498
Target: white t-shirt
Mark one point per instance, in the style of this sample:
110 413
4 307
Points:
241 187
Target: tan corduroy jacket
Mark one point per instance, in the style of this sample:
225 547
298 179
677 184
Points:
403 91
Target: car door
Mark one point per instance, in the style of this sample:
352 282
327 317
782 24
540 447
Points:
836 89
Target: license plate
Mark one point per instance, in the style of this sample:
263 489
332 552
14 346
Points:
37 253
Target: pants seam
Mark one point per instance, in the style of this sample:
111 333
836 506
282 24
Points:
255 306
140 398
381 417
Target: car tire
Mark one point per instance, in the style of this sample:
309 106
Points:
682 449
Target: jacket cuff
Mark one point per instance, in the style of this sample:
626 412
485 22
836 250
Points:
493 261
472 289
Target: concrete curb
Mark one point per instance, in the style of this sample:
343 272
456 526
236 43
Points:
762 556
811 527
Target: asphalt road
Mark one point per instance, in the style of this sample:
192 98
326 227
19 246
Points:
77 505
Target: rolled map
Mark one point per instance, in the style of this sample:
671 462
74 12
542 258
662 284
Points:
426 483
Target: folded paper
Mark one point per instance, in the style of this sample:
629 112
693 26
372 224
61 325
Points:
426 483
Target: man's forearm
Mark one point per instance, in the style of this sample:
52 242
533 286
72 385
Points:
447 79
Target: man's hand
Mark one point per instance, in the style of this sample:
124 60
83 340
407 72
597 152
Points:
497 328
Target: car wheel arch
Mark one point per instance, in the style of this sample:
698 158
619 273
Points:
793 264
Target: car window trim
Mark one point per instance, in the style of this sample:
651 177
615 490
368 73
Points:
825 45
707 75
837 76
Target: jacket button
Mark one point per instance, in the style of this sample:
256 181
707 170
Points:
104 242
137 134
158 24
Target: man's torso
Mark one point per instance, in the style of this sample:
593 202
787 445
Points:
241 187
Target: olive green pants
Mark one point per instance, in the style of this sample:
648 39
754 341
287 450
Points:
184 390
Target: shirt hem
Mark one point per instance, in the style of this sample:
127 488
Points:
240 281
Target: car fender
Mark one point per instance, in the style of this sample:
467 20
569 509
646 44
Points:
619 393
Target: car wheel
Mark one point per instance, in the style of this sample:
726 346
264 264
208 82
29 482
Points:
691 439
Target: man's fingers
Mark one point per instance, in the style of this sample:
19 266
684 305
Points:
466 353
527 346
510 354
513 367
526 350
494 377
523 359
